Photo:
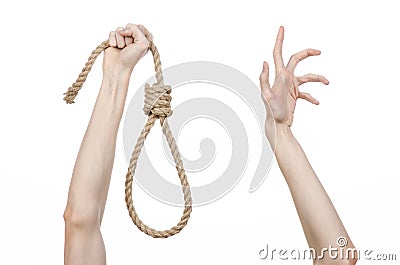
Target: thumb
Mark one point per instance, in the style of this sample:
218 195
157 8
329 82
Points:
264 80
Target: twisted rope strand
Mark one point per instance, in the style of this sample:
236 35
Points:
157 105
74 89
181 173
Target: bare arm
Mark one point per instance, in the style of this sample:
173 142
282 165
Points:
321 223
92 172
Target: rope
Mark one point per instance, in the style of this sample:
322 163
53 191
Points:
157 105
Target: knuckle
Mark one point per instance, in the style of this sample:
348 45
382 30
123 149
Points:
284 76
269 96
309 77
294 58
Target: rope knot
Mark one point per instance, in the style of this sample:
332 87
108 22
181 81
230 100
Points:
157 100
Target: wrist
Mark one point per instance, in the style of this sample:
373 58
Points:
277 133
283 130
118 73
114 88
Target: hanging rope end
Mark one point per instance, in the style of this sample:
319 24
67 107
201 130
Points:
70 96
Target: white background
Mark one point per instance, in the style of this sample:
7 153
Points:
351 139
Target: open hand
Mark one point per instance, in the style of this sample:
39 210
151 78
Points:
281 98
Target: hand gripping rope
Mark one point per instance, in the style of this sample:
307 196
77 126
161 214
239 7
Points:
157 105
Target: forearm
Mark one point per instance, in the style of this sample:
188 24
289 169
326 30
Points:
93 166
321 223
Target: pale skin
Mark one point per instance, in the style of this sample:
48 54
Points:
92 172
320 221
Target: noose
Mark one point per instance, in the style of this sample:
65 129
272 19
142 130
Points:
157 105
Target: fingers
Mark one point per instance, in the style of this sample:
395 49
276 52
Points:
112 40
312 78
308 97
278 49
115 39
120 39
128 40
137 35
264 80
133 31
296 58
